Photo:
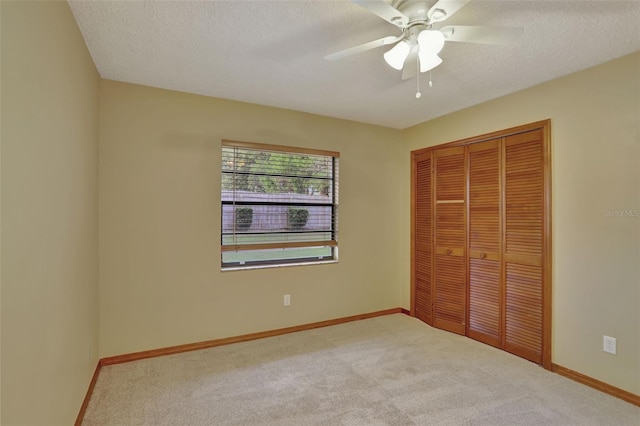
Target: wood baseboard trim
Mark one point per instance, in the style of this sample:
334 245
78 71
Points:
597 384
119 359
87 397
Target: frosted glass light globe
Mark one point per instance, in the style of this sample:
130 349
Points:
397 55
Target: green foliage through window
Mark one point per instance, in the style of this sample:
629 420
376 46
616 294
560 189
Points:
298 217
244 217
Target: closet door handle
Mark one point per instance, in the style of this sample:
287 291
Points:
483 256
448 251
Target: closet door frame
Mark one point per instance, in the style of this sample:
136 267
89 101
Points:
545 127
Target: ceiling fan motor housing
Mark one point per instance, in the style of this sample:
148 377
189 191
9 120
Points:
412 32
418 12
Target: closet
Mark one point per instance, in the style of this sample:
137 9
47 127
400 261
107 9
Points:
481 245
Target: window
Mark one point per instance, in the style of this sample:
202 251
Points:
279 205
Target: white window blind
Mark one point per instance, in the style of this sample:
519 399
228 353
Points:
279 204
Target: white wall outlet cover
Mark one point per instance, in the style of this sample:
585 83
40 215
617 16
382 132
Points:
609 344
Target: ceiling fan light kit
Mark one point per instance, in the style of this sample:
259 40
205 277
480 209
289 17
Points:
429 44
416 49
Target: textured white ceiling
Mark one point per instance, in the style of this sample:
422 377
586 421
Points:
270 52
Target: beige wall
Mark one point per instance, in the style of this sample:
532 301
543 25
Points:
49 214
160 278
595 167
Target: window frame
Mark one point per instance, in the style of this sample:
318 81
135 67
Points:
332 243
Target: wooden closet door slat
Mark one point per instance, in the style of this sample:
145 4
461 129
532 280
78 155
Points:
523 228
484 242
450 239
423 238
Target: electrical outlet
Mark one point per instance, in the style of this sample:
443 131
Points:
287 300
609 344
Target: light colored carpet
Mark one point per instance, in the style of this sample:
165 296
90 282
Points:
391 370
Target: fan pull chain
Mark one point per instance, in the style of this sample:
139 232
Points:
430 82
418 94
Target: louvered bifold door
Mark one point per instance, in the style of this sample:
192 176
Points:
450 231
485 254
523 244
423 230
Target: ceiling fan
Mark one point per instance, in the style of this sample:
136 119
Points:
418 46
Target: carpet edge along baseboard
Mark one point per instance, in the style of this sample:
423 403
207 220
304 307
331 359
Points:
87 397
119 359
597 384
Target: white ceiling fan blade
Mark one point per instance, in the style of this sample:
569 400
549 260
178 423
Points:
362 48
385 11
444 9
410 68
481 34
